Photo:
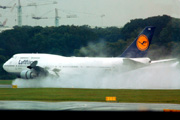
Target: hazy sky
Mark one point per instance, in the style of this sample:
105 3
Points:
89 12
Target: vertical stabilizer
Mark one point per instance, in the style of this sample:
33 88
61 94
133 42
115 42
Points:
140 46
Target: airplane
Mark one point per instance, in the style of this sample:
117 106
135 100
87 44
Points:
31 66
4 23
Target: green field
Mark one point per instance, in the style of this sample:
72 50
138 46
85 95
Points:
67 94
94 95
6 82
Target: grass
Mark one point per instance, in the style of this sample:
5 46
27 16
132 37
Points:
69 94
98 95
6 82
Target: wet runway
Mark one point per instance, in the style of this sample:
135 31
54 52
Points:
5 86
85 106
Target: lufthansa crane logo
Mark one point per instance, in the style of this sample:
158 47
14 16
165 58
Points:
142 43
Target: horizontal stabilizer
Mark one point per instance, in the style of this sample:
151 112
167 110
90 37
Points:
132 64
165 61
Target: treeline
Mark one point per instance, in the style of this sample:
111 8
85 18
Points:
87 41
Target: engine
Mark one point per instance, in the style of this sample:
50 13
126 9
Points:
28 74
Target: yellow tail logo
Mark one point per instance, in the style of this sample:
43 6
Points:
142 43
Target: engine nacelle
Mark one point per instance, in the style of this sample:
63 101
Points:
28 74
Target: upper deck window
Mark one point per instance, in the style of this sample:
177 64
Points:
35 57
23 57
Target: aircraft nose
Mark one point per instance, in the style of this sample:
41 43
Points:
5 66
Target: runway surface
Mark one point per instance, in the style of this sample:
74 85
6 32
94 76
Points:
5 86
84 106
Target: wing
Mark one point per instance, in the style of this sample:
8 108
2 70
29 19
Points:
42 72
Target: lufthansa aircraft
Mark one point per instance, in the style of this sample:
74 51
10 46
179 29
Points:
29 66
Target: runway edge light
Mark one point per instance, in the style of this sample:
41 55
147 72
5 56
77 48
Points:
14 86
171 110
111 99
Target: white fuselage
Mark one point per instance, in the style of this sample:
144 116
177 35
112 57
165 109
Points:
64 65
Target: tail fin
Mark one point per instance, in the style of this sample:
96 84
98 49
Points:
140 46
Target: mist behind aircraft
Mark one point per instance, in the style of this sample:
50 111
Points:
163 76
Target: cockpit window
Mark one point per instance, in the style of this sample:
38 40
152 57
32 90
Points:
14 57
